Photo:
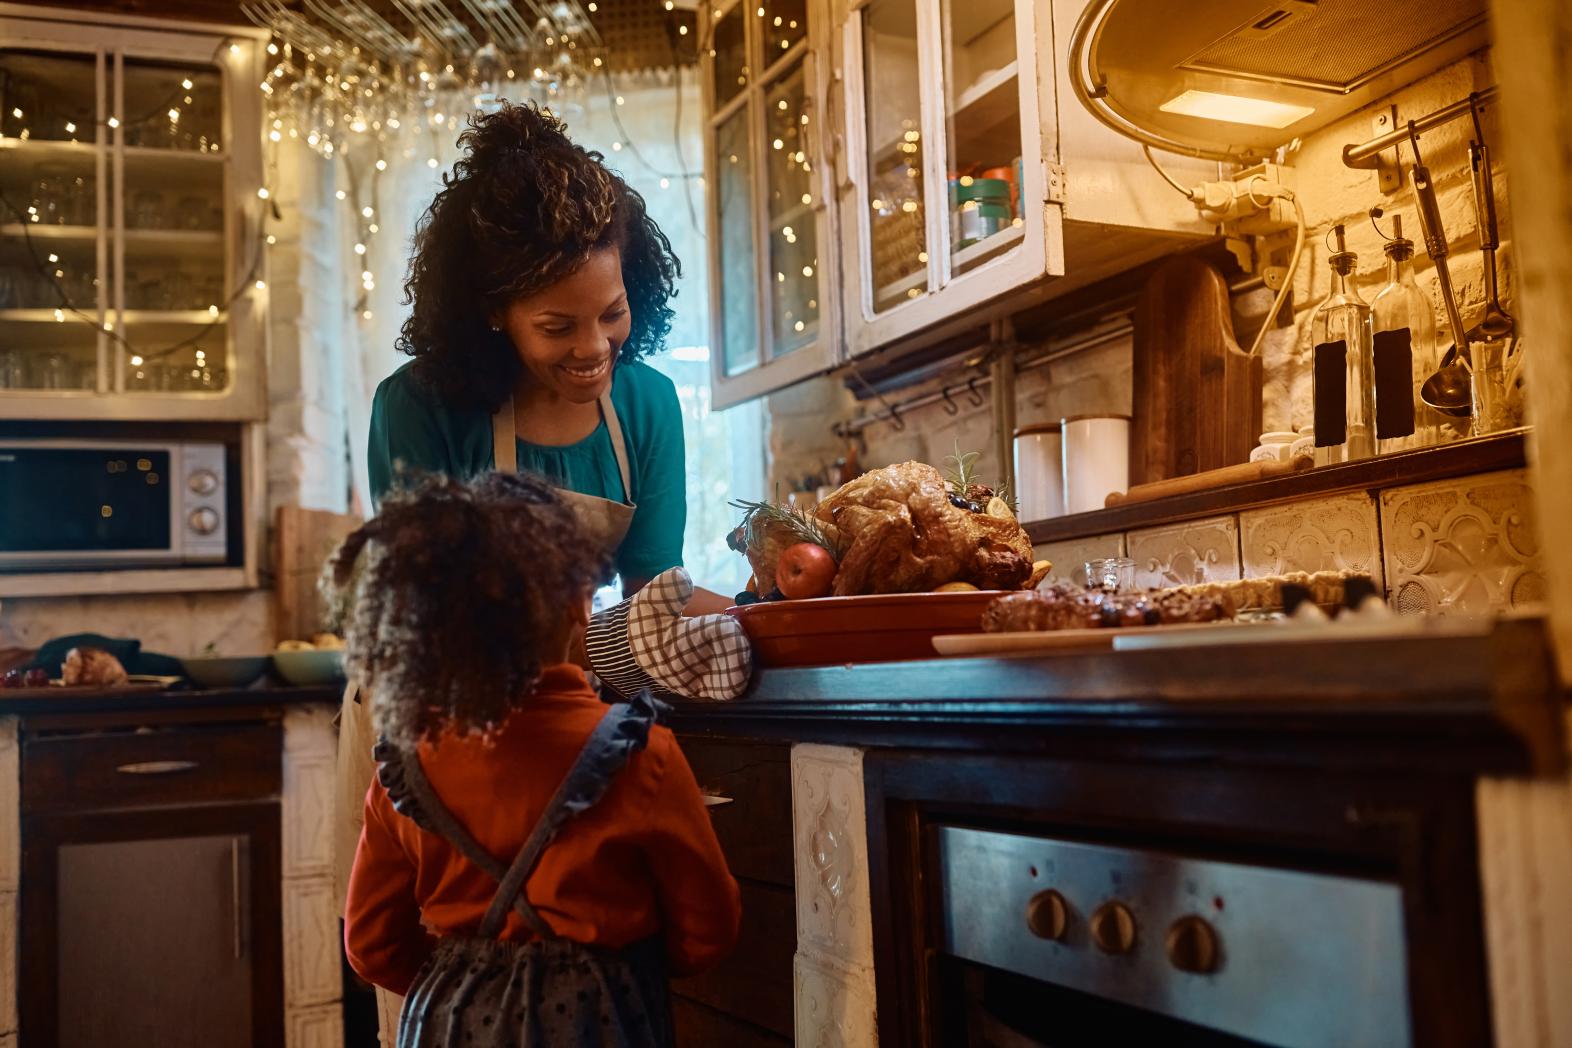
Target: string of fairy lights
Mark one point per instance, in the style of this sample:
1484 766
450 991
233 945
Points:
158 125
357 106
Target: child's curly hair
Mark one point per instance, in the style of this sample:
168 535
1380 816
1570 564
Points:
522 210
457 588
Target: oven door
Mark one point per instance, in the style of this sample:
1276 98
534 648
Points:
1059 943
82 505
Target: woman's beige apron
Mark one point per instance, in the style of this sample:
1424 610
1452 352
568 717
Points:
603 520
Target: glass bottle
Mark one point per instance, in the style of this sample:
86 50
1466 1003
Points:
1403 348
1343 384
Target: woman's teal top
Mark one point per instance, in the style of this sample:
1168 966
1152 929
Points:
411 429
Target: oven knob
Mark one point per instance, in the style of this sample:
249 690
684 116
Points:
203 521
1113 927
1047 915
203 482
1192 945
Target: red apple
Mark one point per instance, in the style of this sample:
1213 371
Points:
805 570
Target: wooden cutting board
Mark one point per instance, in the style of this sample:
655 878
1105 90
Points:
1197 399
302 541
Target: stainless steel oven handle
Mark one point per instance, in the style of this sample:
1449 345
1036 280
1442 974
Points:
157 767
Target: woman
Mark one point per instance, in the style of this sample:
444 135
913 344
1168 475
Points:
538 282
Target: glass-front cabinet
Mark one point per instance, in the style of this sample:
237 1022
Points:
774 301
131 281
947 172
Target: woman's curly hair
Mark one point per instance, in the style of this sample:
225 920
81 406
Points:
522 210
457 587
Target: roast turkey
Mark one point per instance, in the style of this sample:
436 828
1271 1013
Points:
901 531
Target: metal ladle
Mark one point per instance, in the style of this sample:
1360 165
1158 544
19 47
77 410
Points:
1450 389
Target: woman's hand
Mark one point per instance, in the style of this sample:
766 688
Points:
703 601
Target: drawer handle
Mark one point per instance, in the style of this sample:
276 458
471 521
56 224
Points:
715 800
157 767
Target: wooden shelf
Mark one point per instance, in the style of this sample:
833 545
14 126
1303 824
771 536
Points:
989 88
40 231
49 149
169 316
1003 240
41 316
1462 458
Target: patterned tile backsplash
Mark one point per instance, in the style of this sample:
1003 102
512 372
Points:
1181 554
1466 545
1334 534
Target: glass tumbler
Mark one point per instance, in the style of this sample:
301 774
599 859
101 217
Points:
1111 574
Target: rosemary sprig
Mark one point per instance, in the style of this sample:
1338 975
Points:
963 474
799 523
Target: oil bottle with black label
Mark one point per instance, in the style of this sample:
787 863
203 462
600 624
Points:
1403 347
1341 367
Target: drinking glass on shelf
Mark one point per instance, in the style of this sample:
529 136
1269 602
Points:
147 209
10 285
77 202
49 194
191 213
1111 574
59 372
13 369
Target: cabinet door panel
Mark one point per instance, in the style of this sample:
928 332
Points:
152 943
129 924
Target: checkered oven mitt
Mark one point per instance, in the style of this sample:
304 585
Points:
645 642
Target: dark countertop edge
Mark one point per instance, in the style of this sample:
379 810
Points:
1498 451
1488 699
110 701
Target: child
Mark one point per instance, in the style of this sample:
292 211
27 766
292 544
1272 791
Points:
533 862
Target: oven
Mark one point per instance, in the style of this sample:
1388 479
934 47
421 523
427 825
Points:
87 504
1049 942
1174 890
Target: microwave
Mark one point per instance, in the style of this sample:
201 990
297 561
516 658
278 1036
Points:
76 505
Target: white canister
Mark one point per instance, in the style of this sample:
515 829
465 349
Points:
1039 472
1096 459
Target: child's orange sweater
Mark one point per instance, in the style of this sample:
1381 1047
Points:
641 862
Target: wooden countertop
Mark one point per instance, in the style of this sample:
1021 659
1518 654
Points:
1489 699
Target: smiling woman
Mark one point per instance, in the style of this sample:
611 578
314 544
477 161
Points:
538 282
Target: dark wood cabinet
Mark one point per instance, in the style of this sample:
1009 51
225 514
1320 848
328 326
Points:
747 1000
150 903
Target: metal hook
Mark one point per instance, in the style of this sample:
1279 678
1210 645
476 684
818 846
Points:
1413 143
896 422
975 397
1473 111
950 407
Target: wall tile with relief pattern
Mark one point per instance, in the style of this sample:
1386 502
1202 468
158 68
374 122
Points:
829 832
835 1005
312 972
1332 534
320 1026
1466 545
1181 554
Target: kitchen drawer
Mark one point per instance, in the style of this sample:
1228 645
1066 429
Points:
755 982
754 828
701 1027
188 765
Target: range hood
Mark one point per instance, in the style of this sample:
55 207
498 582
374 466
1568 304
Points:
1236 79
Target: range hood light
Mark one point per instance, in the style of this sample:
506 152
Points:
1236 109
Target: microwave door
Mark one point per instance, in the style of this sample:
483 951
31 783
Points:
86 507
